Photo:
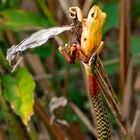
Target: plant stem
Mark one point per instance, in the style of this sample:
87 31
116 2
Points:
39 110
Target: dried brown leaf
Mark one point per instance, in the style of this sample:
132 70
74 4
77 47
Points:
35 40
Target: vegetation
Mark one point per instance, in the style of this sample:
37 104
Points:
44 78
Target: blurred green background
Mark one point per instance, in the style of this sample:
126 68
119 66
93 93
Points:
45 74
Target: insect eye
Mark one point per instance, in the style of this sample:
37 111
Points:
92 15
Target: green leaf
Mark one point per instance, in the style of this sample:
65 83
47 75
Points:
13 3
71 117
112 20
135 44
18 90
43 51
111 69
3 61
135 11
17 19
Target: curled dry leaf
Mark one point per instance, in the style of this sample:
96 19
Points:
57 102
54 104
35 40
